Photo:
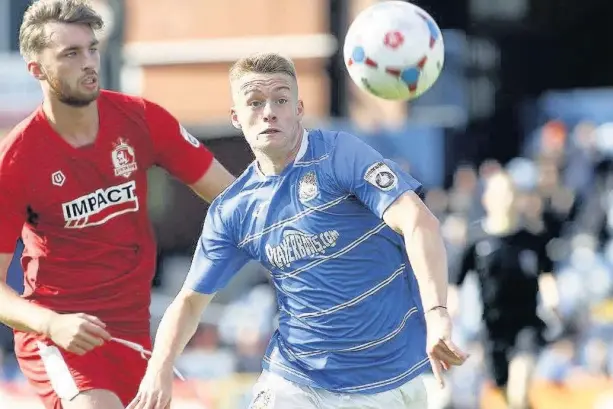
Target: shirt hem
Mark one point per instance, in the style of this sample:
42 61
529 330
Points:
302 380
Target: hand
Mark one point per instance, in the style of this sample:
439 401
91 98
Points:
77 333
155 391
442 352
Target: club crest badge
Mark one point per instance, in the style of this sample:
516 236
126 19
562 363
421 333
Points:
307 187
124 159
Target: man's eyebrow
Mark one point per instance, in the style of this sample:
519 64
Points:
248 89
76 47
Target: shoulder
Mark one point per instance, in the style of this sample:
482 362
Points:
341 145
129 105
149 115
18 144
131 102
330 139
336 145
119 98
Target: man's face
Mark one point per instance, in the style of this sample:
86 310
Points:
268 111
499 195
69 65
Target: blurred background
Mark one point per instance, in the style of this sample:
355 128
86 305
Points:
525 87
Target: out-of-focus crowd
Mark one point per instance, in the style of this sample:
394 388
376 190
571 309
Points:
564 183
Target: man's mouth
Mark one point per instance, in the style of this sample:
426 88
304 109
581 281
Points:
269 131
90 80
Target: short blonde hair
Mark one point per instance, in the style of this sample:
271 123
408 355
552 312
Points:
32 35
264 63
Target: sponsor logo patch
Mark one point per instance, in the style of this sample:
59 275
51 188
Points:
297 245
98 207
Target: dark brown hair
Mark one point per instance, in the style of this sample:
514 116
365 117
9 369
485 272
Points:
33 37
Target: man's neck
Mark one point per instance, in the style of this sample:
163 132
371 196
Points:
77 125
269 165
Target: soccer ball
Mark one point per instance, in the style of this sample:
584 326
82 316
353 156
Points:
394 50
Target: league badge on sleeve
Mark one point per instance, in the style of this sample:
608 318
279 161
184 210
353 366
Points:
189 137
381 176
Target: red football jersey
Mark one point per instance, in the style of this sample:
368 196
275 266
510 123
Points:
82 212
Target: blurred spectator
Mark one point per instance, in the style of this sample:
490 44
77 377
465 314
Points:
512 265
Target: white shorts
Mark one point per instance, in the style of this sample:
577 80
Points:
273 392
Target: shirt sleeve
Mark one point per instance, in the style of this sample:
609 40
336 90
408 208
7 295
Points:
362 171
12 203
176 150
216 259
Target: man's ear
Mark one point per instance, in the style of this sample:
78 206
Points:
234 119
36 70
300 109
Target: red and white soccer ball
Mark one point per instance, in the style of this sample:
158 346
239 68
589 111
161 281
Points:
394 50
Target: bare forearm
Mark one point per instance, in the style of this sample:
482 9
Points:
428 257
215 180
20 314
177 327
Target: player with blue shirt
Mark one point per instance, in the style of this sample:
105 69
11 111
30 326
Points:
339 228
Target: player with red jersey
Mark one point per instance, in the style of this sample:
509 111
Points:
73 184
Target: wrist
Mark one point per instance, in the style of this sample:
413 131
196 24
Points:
437 308
45 325
160 365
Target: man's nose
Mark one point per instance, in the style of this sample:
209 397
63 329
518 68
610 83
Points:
269 113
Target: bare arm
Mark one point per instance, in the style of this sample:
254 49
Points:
409 216
213 182
16 312
177 327
428 256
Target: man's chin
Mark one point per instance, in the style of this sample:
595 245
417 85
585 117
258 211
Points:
274 136
82 100
91 96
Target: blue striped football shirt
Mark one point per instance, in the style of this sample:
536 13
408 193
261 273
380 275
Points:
351 318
